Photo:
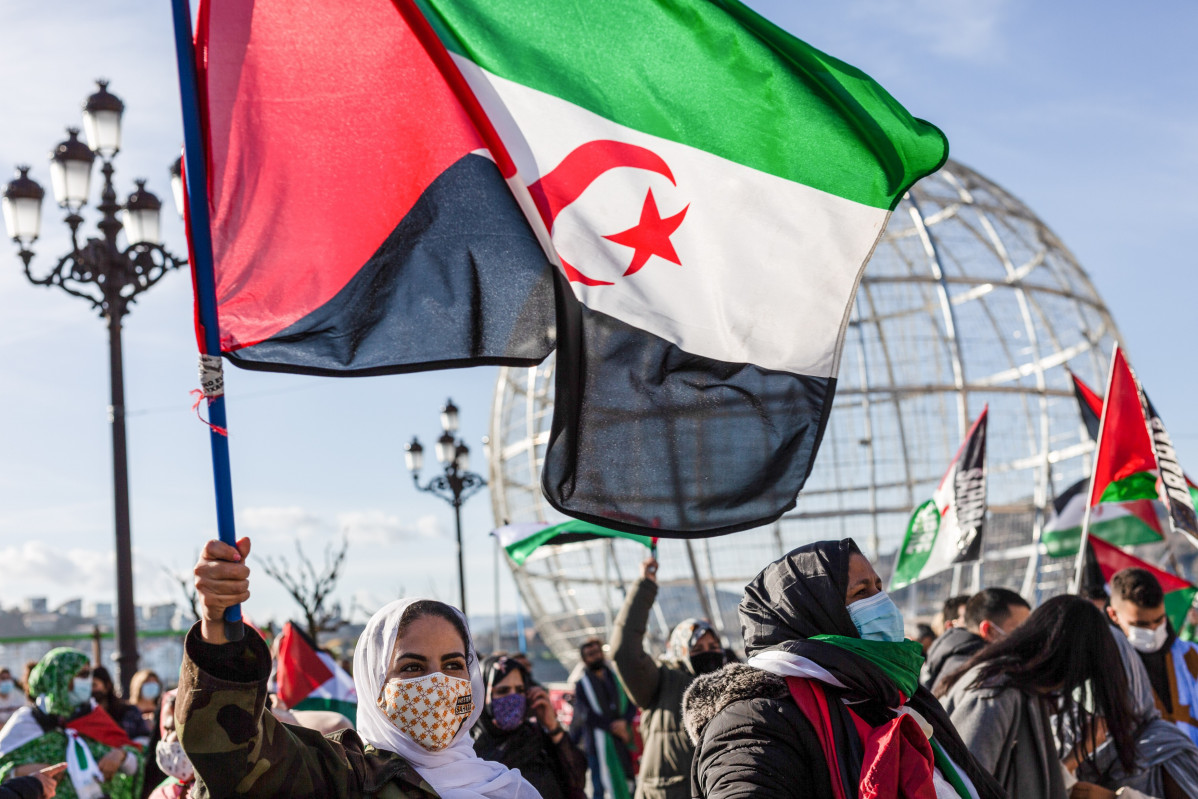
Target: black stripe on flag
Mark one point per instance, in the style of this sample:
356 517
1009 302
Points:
650 439
461 281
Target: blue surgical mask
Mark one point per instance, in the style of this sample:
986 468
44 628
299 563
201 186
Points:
877 618
81 690
6 687
149 690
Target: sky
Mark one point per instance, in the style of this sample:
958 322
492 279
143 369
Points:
1085 111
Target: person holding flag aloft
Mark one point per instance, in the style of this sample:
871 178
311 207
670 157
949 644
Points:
416 672
1137 607
656 687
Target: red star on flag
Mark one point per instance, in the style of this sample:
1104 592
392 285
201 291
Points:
650 236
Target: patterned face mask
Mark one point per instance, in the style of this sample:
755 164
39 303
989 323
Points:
428 709
508 711
173 760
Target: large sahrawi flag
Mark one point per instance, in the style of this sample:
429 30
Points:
947 529
708 189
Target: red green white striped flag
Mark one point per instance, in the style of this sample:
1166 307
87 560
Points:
1135 459
947 529
521 539
1179 593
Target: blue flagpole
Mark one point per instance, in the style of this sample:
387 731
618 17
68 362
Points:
195 173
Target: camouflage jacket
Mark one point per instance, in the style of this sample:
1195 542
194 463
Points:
239 749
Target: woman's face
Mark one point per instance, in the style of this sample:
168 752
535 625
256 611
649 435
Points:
863 581
511 684
430 644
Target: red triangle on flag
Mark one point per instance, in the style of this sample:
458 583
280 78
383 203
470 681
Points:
1145 511
300 668
1124 446
1112 559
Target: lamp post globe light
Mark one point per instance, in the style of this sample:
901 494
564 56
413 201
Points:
455 484
109 276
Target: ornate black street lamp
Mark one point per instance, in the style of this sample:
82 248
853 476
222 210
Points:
108 276
455 485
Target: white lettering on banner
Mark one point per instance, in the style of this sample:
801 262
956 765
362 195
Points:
924 527
971 496
1166 460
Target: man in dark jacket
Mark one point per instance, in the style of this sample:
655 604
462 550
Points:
602 724
990 615
657 686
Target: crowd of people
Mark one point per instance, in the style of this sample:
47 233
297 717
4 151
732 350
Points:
1079 697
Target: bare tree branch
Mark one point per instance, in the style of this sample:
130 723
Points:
310 589
186 582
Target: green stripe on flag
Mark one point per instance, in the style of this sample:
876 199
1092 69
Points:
922 530
347 709
1125 531
1141 485
1177 604
619 782
711 74
520 550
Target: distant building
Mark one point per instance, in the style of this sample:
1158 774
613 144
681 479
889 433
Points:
35 604
72 607
157 617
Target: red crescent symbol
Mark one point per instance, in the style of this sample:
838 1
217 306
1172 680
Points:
578 170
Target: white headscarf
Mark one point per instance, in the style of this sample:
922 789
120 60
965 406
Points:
456 772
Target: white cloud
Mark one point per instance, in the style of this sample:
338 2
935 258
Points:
362 526
966 31
283 522
35 563
377 527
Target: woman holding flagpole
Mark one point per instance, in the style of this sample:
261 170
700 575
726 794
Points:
420 691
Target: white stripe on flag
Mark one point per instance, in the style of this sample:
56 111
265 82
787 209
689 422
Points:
768 266
785 664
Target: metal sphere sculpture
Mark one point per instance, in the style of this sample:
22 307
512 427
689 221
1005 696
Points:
969 299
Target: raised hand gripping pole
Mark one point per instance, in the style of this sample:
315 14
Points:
200 244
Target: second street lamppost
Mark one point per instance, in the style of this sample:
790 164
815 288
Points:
108 276
456 485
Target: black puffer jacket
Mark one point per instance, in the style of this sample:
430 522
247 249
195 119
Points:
948 653
765 747
751 739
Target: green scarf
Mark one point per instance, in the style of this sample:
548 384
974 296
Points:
900 661
51 678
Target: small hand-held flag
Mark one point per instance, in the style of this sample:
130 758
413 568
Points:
310 679
947 529
1134 458
520 540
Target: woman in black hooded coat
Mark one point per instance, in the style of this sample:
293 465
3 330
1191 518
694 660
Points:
751 737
